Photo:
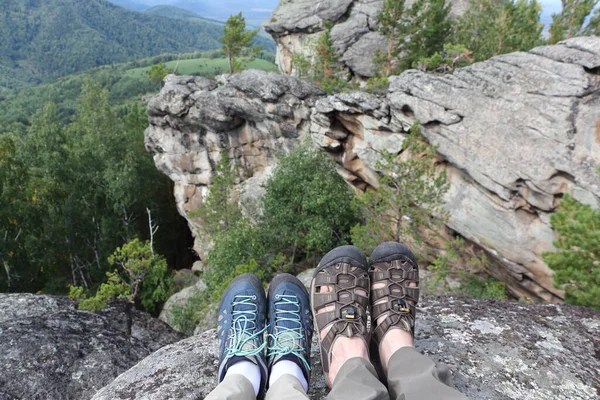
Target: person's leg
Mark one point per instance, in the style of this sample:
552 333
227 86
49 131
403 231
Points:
233 387
414 376
286 387
243 369
340 292
357 379
395 293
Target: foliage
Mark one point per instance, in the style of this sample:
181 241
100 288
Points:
410 194
307 205
126 83
378 84
71 194
147 274
220 212
452 57
141 276
114 288
413 33
306 210
44 40
491 28
570 21
157 73
484 288
236 39
576 264
323 68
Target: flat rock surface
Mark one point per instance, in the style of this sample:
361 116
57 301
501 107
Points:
50 350
497 350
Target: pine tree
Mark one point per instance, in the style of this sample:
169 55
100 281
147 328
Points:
219 212
577 262
412 33
236 40
570 21
491 28
411 192
432 20
394 25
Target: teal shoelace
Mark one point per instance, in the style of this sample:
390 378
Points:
244 323
286 339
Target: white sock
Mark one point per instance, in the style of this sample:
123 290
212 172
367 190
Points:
248 370
287 367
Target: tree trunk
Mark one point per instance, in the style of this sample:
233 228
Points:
230 59
129 317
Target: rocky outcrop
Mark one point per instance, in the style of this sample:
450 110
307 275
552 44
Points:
180 299
253 115
295 24
50 350
514 133
496 351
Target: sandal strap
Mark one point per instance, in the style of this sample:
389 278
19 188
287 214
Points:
401 298
349 316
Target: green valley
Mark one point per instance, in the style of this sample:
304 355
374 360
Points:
41 40
126 82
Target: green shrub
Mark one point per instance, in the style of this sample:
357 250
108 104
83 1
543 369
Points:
485 288
142 277
411 192
307 206
577 262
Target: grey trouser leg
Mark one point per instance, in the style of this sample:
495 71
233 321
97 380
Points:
233 387
414 376
286 388
357 379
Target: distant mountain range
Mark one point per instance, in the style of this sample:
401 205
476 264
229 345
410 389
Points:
45 39
255 11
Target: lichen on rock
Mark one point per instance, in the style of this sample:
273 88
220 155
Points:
497 350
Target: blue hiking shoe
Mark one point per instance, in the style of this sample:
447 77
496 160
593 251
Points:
290 323
241 326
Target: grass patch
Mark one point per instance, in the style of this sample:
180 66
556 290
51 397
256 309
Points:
202 67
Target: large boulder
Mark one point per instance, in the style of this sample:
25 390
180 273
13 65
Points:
497 350
295 24
179 300
515 133
50 350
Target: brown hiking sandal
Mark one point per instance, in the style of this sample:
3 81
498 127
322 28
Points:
394 265
345 271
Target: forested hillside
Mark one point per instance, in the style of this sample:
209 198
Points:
176 12
45 39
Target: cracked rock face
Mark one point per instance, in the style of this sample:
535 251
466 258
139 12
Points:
496 351
296 23
514 133
50 350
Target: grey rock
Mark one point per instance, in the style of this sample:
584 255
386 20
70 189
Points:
360 55
50 350
519 131
180 299
306 277
497 350
295 23
184 278
514 133
253 115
